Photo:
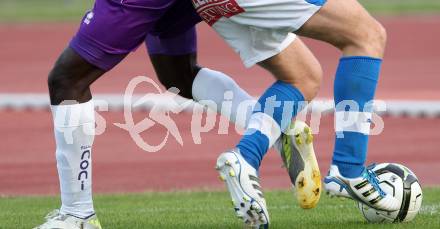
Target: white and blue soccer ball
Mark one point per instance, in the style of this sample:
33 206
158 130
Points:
402 183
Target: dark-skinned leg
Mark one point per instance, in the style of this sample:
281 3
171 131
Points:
73 111
71 77
195 82
102 41
176 71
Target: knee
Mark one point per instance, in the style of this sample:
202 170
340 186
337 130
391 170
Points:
381 36
64 78
369 38
57 80
68 79
61 87
375 38
311 85
307 78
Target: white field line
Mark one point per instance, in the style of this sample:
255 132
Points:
115 102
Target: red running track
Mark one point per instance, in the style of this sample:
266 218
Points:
27 164
410 69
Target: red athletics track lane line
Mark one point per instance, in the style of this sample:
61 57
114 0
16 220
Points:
27 160
410 70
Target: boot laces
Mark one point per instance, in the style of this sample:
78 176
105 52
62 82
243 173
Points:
371 176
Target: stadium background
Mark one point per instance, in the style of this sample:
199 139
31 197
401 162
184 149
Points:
34 32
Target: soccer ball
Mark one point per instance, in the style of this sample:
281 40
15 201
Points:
402 183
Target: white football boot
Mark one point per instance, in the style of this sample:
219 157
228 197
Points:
244 187
364 189
333 186
296 149
56 220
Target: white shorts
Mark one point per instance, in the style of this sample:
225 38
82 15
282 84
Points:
257 29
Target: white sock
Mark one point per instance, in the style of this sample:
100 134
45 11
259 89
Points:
266 125
74 135
211 85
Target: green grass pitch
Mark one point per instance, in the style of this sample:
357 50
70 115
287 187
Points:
209 210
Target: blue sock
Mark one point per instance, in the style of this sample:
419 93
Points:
280 103
356 80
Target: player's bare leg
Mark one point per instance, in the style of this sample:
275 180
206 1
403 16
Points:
348 26
182 73
71 77
194 82
99 45
74 123
298 66
298 80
